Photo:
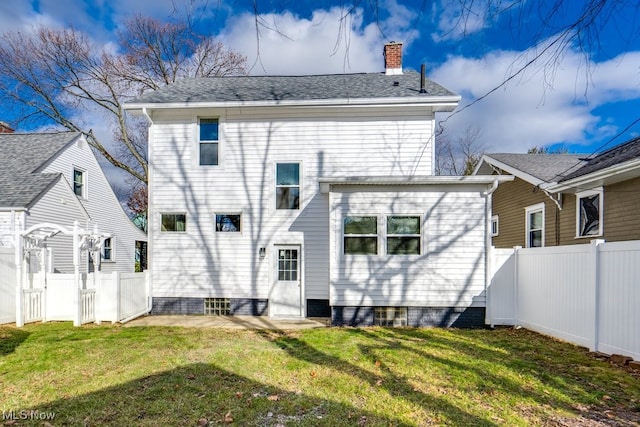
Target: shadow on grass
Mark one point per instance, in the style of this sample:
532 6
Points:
187 395
395 385
482 368
10 339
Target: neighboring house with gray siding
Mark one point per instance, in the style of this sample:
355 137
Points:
55 178
561 199
304 196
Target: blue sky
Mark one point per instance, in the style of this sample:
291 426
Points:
581 101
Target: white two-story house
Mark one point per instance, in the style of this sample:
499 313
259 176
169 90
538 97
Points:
55 178
294 196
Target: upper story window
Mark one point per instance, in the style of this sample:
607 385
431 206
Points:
79 183
208 141
107 249
288 186
228 222
361 235
535 225
173 222
403 235
589 213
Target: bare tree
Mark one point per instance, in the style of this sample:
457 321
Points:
459 156
61 77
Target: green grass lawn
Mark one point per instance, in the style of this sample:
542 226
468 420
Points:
111 375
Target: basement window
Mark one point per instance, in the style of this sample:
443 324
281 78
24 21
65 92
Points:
217 307
390 316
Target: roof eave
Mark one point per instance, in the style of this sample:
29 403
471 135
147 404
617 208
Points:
438 103
510 169
326 183
607 176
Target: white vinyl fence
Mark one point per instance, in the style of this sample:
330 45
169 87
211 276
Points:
103 297
7 285
586 294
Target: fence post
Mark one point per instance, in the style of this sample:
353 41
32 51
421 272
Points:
595 260
77 295
516 298
19 279
115 282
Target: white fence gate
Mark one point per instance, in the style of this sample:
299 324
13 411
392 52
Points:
103 297
7 285
586 294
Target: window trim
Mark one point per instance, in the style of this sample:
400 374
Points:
275 184
112 247
495 219
418 235
227 213
173 231
377 235
84 182
539 207
200 142
587 193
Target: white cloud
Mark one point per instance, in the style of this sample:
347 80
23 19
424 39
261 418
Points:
330 41
541 106
458 20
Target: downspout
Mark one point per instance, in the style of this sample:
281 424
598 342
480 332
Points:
488 253
558 203
149 271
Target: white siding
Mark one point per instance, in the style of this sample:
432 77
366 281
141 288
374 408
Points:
60 206
336 142
101 203
449 272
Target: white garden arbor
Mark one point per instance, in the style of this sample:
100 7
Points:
31 302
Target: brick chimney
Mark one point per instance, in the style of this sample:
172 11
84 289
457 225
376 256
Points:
5 128
393 58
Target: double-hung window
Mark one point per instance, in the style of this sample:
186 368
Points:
107 249
288 186
535 226
208 141
589 213
361 235
403 235
173 222
495 225
79 182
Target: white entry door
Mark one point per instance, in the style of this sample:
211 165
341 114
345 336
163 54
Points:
286 293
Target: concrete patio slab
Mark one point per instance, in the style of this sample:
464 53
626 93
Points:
230 322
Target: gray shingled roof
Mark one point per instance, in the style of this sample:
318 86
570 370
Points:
293 88
21 156
622 153
546 167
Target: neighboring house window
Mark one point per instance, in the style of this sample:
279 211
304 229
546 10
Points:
172 222
403 235
361 235
107 250
589 213
228 222
535 226
287 186
79 182
208 142
495 226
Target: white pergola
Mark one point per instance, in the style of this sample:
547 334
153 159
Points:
33 240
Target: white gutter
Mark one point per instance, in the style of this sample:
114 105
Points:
427 101
630 167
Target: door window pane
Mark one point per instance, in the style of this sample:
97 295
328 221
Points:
288 264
